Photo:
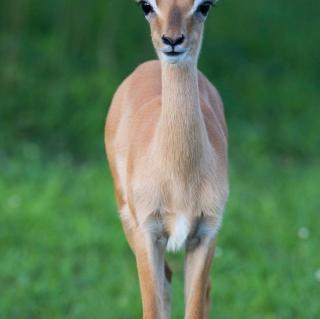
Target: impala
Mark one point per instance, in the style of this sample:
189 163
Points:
166 142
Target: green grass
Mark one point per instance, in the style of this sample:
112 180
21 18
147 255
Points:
63 253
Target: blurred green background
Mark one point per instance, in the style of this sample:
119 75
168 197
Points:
62 251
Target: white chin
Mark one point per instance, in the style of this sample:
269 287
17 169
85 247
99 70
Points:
182 58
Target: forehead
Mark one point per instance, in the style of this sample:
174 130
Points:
183 4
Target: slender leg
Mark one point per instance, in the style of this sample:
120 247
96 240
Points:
167 292
151 272
207 301
197 281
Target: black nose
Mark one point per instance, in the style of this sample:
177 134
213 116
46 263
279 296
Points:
173 42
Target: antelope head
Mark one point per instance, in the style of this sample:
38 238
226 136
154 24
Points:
176 27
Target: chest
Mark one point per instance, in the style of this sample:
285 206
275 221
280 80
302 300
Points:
170 191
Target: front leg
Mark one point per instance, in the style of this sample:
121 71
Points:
197 280
150 263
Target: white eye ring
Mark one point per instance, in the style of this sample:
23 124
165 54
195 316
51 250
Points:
198 3
153 5
146 7
204 8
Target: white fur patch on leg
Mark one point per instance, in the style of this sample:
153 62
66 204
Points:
179 234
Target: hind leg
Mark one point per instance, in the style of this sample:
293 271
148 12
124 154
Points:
167 292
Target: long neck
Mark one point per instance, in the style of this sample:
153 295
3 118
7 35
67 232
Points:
181 128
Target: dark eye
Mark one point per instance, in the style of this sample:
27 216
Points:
146 7
204 8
